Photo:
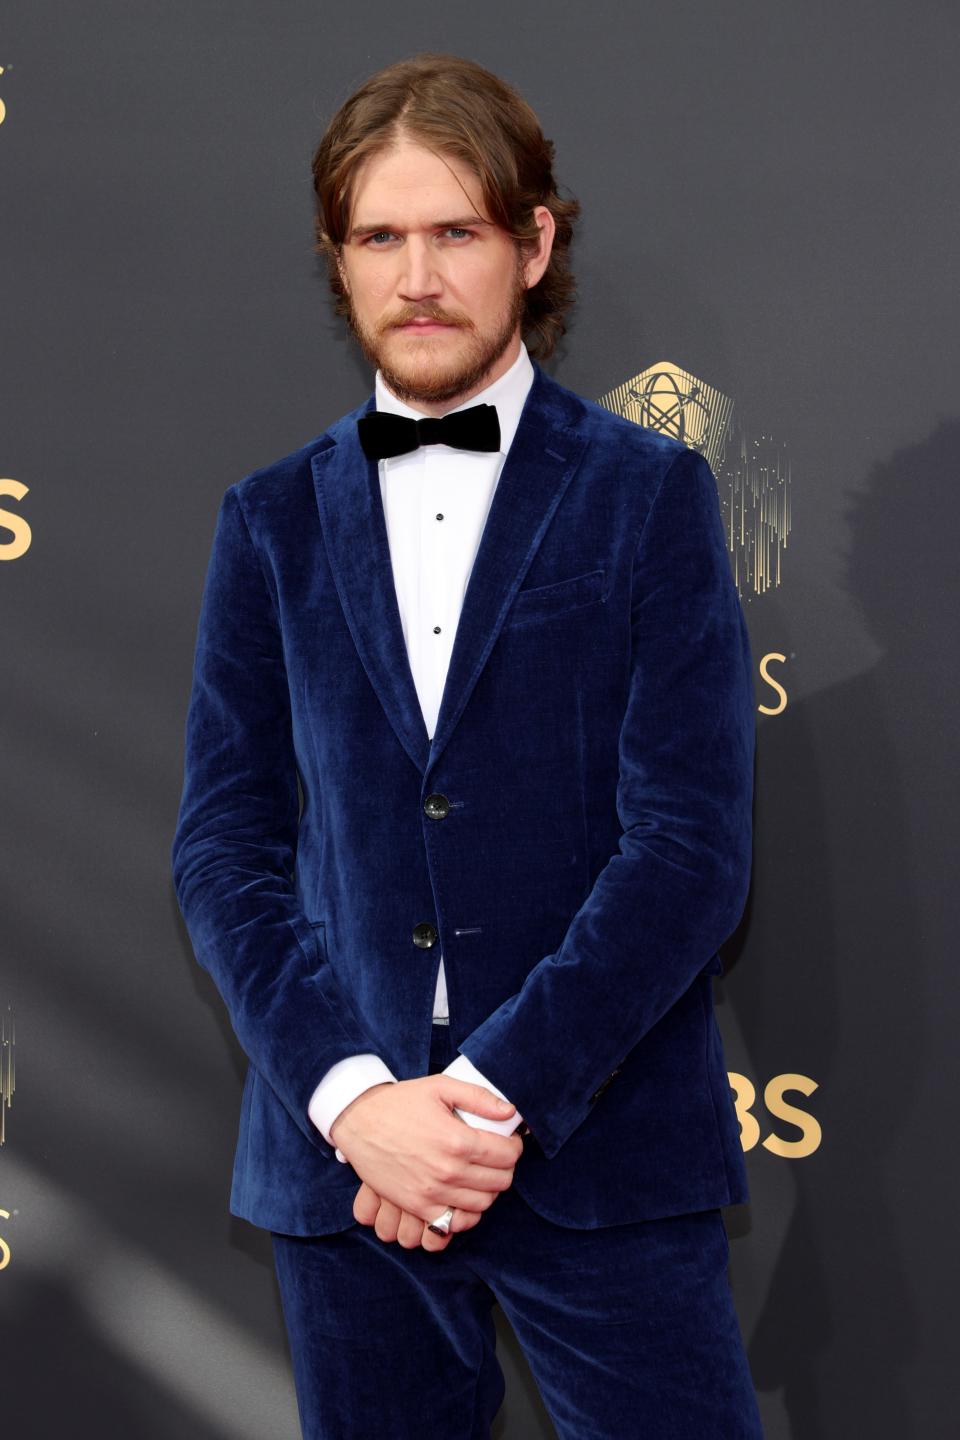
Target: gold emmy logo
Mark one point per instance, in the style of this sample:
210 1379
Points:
3 108
673 401
8 1068
4 1247
753 475
10 520
745 1096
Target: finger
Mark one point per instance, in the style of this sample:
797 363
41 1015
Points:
431 1241
366 1204
480 1177
484 1147
464 1220
464 1197
410 1231
475 1098
388 1220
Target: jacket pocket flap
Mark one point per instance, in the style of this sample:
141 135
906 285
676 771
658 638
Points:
545 602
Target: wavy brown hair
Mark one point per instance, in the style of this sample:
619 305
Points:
455 107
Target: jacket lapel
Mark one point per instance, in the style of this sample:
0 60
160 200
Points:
543 458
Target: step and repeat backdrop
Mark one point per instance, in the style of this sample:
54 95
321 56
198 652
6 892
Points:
767 269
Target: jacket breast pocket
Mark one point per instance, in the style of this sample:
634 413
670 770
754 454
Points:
547 602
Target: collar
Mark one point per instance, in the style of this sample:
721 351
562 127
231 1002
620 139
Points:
508 394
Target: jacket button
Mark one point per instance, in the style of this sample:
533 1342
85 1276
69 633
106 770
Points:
437 807
424 935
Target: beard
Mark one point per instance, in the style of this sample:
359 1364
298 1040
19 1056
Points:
435 379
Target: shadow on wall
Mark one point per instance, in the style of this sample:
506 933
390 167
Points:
850 942
83 1365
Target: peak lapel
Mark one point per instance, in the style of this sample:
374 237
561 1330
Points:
347 486
543 459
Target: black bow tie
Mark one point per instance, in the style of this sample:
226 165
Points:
383 435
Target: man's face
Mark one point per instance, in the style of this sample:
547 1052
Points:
435 289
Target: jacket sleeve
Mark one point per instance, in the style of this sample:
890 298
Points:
663 904
236 834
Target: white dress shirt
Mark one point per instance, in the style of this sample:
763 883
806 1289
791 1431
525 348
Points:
435 503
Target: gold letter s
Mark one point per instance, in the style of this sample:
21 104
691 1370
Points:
810 1132
774 685
22 533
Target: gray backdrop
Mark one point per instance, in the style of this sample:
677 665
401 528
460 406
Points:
770 204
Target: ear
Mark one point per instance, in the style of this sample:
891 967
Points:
342 269
537 252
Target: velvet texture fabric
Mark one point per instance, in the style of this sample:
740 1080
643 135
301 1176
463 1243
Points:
630 1330
595 744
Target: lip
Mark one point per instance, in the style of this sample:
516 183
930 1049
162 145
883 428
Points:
424 327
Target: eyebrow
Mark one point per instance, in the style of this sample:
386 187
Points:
463 222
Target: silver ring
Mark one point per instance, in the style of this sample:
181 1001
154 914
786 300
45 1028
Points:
441 1226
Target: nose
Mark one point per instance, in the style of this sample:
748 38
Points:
419 276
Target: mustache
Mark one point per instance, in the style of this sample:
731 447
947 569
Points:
424 311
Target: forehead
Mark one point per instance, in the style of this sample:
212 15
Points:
408 182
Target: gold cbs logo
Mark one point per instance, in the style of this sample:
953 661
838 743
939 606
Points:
10 520
745 1097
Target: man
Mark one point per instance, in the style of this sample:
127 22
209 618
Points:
466 816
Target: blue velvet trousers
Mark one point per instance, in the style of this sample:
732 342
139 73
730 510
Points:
630 1330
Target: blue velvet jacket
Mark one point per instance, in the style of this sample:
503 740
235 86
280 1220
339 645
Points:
594 747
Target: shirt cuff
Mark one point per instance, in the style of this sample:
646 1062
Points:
342 1083
461 1068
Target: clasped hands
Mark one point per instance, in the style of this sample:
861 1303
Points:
415 1156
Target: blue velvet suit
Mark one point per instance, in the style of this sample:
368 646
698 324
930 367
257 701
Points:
595 747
